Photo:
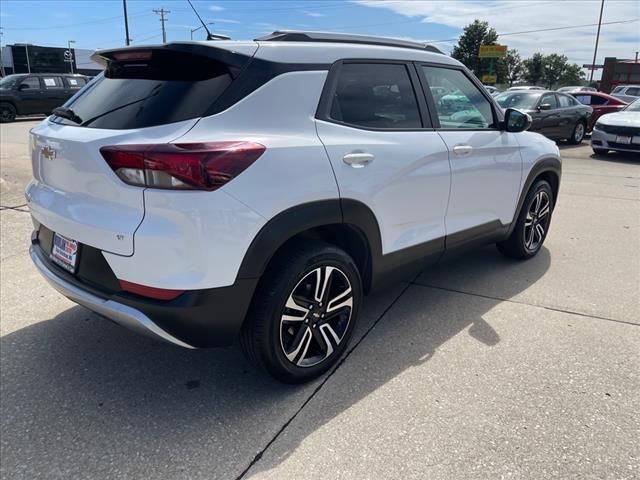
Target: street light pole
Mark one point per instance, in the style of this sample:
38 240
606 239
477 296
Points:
595 50
193 30
69 42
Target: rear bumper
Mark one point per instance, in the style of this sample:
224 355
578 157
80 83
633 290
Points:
196 319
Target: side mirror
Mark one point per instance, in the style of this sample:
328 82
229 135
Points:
545 106
516 121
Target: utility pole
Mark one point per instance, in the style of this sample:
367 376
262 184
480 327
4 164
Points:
127 40
2 61
162 12
595 50
69 42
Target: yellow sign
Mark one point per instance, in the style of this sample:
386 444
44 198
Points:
489 78
492 51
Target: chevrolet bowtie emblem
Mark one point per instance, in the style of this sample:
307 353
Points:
48 153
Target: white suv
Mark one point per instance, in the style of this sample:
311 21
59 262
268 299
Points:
203 191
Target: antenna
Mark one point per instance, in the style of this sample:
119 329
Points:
210 36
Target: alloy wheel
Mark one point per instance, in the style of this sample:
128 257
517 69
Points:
537 221
578 133
316 316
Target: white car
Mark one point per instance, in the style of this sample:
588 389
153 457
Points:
199 192
524 87
619 131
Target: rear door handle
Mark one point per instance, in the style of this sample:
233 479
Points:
462 150
358 159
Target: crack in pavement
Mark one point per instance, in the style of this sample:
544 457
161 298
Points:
259 455
17 208
554 309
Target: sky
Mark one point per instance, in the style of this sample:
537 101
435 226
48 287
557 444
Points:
97 24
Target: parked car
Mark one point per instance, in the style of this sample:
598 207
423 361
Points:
524 87
576 89
618 131
492 90
36 93
601 103
269 185
628 93
556 115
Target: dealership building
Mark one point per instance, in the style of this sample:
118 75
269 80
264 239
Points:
28 58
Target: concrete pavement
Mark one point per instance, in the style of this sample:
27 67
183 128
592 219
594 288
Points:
481 368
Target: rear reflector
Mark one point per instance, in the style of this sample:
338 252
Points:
150 292
181 166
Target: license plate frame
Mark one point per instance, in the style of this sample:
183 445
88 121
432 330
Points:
64 252
623 139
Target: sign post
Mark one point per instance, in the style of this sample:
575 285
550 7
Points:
491 52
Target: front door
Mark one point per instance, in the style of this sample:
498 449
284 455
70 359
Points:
31 96
384 154
486 166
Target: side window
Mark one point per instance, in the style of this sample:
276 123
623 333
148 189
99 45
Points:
564 101
30 83
595 100
463 105
75 82
375 96
634 92
584 99
51 83
550 99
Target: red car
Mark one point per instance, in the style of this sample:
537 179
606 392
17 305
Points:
600 102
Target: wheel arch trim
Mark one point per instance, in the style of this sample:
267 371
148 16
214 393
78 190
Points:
551 165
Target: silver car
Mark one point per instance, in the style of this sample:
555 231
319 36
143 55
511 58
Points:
618 131
627 93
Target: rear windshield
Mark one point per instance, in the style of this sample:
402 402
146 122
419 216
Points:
157 88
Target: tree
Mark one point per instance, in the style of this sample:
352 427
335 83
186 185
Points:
573 75
553 67
534 68
466 51
510 68
552 70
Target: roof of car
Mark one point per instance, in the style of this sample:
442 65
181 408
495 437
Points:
319 48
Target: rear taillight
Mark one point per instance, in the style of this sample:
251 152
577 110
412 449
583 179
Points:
181 166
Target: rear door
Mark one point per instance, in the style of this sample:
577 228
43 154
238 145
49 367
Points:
55 92
486 165
384 152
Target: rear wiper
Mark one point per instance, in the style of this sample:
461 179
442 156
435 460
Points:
155 92
67 113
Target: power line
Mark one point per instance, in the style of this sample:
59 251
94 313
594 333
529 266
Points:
89 22
162 12
568 27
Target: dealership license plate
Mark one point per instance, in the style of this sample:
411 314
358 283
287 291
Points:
64 252
623 140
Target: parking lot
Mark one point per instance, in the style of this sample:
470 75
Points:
482 367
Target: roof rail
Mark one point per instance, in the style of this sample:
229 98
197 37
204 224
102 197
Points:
329 37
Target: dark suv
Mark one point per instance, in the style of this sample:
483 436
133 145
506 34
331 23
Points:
33 93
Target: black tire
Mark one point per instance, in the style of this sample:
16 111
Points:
578 133
7 112
269 340
600 151
521 244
